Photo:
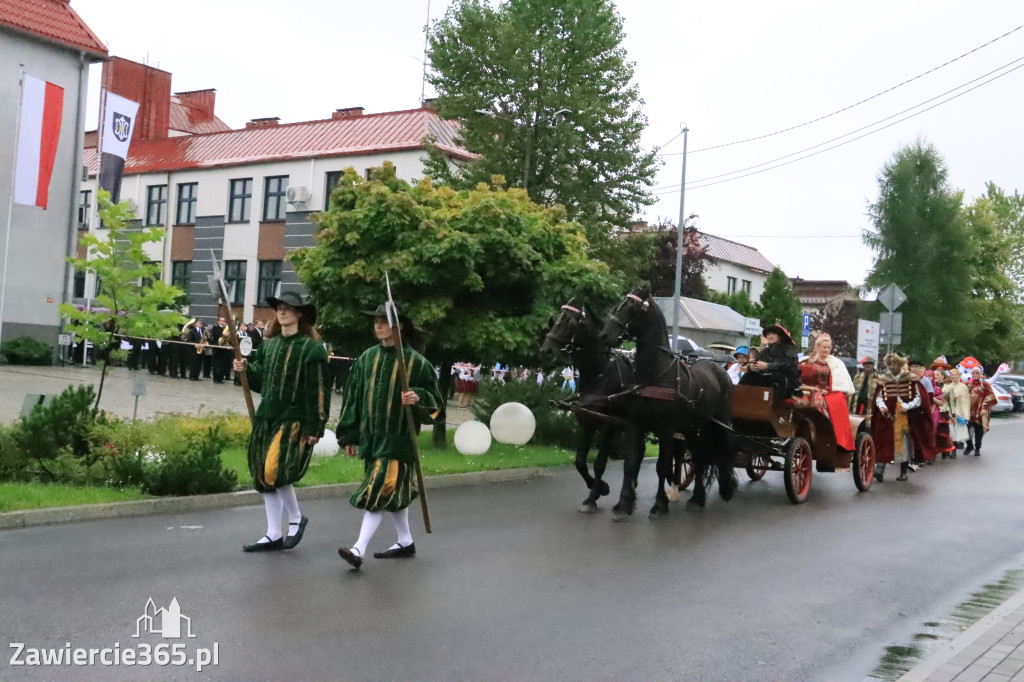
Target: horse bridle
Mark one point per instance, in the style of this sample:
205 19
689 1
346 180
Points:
632 299
570 344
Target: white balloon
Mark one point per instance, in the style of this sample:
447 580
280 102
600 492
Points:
326 446
513 423
472 438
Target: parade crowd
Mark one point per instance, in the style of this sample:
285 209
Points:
917 413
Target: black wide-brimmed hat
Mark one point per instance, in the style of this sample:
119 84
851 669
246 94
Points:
294 299
784 335
411 334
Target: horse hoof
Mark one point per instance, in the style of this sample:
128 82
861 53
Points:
695 504
672 493
657 513
604 489
588 508
619 517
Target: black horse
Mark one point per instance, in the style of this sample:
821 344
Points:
576 331
671 397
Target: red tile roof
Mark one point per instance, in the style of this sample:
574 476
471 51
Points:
734 252
819 291
53 21
192 120
370 134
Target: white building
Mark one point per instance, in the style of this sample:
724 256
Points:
735 267
55 46
249 194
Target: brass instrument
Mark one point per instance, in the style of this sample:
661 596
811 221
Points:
186 328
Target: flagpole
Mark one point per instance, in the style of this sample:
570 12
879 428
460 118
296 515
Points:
10 204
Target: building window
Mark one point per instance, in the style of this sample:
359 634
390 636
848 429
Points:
180 274
730 285
333 178
147 282
79 290
368 172
274 191
84 209
270 279
746 286
240 201
234 277
156 204
187 196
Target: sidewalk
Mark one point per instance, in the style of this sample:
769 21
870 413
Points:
163 394
991 650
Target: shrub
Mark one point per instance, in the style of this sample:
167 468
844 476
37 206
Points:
187 465
14 462
554 426
62 426
25 350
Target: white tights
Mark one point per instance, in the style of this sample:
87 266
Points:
371 522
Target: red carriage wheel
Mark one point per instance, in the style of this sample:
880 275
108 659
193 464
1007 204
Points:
758 466
864 462
799 464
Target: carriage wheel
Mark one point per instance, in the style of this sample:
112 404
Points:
799 464
758 466
684 471
864 462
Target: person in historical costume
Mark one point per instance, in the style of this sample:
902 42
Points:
829 382
901 419
290 372
864 385
955 411
776 365
373 425
982 399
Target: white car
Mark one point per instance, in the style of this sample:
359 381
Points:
1004 402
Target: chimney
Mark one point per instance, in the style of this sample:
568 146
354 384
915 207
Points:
148 86
200 101
430 104
262 123
350 112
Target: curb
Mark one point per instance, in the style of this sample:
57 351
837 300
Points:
179 505
921 671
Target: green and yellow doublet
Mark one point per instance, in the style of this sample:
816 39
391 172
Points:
373 417
291 374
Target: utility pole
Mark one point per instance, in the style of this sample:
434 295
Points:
679 249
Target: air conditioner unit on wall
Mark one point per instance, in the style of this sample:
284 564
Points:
298 195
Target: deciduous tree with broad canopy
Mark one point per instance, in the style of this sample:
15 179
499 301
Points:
480 270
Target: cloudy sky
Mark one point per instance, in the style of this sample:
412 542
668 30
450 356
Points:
730 70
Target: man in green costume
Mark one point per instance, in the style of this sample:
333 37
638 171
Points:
373 426
290 371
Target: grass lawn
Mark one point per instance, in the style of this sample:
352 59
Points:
335 469
17 496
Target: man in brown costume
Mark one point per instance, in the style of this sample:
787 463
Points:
901 419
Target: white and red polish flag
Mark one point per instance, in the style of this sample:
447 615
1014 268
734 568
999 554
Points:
42 107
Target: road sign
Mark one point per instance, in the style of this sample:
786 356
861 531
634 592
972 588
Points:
751 326
64 339
892 297
891 328
805 341
807 325
868 335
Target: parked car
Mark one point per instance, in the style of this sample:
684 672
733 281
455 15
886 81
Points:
1015 391
1004 402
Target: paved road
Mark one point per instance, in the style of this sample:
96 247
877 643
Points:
514 584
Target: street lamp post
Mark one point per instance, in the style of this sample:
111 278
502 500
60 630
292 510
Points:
679 250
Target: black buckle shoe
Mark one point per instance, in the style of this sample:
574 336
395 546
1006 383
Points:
293 540
264 546
397 552
353 559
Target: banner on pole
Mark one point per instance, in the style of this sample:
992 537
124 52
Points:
118 124
868 335
42 109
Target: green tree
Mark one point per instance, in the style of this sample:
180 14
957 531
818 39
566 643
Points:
919 242
840 321
480 270
562 117
738 301
133 299
660 272
779 304
995 241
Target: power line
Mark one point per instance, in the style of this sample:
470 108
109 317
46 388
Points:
852 132
854 139
846 108
790 236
